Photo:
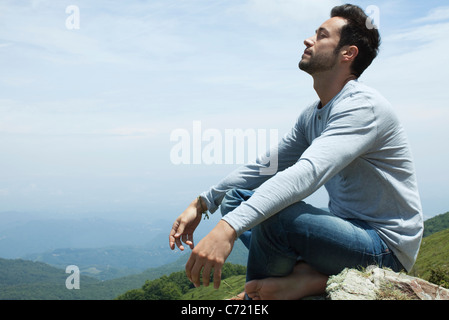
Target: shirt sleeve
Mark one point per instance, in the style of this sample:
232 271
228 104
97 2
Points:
252 175
347 135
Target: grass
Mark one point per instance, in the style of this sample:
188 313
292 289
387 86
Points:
390 291
229 287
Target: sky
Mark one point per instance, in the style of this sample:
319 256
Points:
96 95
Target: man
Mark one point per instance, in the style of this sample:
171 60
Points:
351 142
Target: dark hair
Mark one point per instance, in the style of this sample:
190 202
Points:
359 33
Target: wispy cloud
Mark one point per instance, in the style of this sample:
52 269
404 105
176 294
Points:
436 14
281 12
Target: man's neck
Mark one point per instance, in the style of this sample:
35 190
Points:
327 85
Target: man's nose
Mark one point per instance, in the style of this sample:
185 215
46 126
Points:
309 42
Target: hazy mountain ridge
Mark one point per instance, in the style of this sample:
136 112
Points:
22 234
104 248
29 280
109 262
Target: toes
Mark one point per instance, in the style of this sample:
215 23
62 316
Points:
252 289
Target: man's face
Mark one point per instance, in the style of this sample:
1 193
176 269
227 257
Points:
320 55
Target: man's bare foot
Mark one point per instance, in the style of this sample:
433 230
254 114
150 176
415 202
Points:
240 296
304 281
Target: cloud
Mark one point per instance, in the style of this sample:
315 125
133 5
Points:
135 132
110 33
276 12
436 14
415 59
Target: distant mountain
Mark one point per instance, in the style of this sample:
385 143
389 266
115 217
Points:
26 234
28 280
104 248
107 263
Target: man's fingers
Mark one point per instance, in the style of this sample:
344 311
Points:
175 235
179 244
195 265
188 267
206 275
217 276
184 227
211 252
195 273
188 239
180 228
171 238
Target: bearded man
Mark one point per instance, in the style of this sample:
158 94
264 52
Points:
349 141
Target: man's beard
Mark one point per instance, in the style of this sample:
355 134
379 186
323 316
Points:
318 63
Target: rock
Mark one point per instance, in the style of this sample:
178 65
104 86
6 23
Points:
350 284
375 283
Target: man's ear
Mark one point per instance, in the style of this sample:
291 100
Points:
349 53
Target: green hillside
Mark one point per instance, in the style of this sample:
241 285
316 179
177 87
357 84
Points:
28 280
435 224
432 263
433 255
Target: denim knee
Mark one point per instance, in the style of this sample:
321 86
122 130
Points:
271 235
270 254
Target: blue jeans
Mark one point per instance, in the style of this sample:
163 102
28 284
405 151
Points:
302 232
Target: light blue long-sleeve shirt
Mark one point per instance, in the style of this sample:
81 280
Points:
355 147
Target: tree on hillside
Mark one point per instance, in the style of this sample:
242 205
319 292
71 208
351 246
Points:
440 276
134 294
161 289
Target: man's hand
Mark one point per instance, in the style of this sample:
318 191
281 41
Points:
211 253
185 225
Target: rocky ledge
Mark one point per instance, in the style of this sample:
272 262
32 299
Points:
375 283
